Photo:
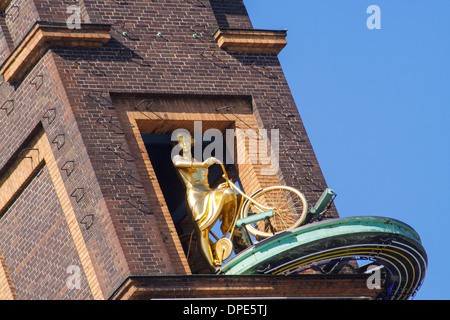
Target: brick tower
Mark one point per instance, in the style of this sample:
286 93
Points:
90 91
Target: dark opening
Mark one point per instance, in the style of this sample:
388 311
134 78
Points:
159 148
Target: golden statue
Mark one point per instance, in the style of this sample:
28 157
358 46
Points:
206 205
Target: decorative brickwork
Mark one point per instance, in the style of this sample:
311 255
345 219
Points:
7 291
31 240
41 37
18 203
85 108
163 115
20 16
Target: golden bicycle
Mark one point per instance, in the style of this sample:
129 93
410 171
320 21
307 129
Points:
263 214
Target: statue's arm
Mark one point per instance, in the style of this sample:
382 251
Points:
180 162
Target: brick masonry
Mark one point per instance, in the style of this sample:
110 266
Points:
33 241
85 100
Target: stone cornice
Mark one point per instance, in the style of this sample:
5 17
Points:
44 35
251 40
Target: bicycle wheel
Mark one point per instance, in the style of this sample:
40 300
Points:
290 210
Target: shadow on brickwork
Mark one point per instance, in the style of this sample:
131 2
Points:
223 10
88 58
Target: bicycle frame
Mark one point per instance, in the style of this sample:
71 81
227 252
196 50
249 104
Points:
266 214
232 185
238 212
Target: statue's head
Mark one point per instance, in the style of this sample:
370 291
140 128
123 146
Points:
185 141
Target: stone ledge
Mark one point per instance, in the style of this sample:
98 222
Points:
349 286
251 40
44 35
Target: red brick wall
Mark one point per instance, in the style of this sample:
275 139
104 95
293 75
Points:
69 93
40 101
38 248
5 40
20 17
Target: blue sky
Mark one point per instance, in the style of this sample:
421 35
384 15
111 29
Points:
376 106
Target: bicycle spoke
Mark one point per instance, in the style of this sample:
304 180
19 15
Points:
280 218
288 207
287 220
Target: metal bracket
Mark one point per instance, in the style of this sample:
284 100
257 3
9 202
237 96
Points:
266 215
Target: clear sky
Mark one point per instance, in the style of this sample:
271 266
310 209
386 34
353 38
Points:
376 106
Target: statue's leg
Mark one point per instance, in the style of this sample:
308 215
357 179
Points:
205 247
228 210
221 203
218 201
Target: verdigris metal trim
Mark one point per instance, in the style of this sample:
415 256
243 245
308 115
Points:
391 242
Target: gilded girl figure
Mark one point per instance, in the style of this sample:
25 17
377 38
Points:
205 204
